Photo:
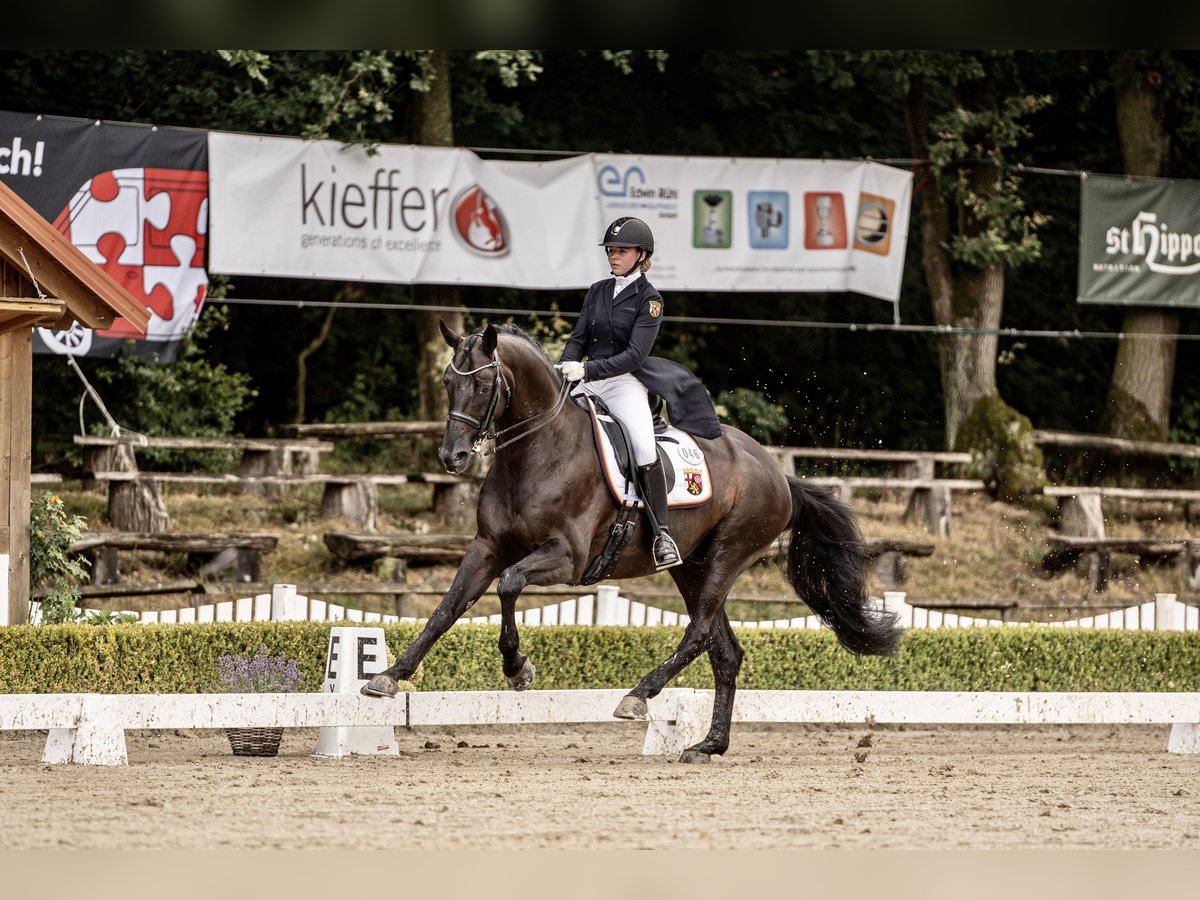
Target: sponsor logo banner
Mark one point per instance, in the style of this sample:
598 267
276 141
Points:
134 199
316 209
1139 241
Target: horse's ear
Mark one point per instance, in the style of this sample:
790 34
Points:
490 336
448 334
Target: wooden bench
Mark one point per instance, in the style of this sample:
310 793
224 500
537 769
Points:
929 499
1066 550
1119 446
1079 507
134 502
259 456
236 554
903 463
912 473
453 501
365 429
888 556
45 478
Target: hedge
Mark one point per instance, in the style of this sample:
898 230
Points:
181 658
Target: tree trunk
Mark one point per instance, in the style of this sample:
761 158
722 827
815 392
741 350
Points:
973 299
1139 394
433 125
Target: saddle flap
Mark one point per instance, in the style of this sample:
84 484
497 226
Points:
686 466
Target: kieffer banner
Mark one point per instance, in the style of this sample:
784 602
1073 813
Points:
134 199
1139 241
317 209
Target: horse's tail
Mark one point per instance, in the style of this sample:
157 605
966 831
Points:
827 569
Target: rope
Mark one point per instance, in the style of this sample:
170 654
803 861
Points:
140 439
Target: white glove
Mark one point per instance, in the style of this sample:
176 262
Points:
571 370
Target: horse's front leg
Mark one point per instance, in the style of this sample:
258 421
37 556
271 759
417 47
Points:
548 564
479 566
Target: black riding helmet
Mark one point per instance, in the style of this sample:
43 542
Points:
629 232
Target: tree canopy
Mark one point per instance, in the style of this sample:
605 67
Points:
1003 131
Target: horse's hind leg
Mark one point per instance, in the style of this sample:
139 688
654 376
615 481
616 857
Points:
725 655
479 567
704 598
704 588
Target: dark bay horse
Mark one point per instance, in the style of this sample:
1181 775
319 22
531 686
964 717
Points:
544 513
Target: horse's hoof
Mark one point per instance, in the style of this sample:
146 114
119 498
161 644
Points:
381 686
631 707
695 756
522 679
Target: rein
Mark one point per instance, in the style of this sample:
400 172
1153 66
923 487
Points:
483 429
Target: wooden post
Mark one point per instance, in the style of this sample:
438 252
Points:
16 400
1081 515
354 501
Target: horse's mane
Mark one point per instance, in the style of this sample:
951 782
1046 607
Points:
518 332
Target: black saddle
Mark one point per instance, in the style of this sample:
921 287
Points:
624 448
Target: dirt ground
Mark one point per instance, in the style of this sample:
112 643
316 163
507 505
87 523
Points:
589 787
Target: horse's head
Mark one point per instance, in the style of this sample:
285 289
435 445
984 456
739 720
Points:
476 393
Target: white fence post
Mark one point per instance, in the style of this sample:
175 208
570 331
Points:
606 605
895 602
1168 613
286 605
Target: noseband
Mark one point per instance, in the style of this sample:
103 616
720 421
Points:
484 430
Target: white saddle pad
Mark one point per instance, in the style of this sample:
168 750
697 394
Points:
692 485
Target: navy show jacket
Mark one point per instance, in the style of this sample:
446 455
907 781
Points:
616 335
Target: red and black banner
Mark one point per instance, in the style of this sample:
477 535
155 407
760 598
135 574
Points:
134 199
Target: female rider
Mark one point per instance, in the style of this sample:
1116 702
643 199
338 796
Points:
616 332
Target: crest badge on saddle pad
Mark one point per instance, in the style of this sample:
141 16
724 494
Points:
689 482
655 309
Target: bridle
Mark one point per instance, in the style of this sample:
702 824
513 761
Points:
484 430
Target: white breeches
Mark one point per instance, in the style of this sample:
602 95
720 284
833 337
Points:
626 399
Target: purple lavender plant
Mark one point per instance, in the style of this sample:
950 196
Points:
257 674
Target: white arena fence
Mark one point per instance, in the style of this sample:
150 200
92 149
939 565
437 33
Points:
607 607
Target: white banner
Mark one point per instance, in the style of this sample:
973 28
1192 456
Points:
316 209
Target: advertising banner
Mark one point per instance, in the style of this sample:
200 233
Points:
1139 241
134 199
317 209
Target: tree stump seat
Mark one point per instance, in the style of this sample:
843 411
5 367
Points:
1095 553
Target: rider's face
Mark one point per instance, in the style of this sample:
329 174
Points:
621 259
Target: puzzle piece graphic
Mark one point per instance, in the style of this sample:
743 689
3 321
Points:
111 247
114 203
147 228
187 286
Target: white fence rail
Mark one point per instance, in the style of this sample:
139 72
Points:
90 729
607 607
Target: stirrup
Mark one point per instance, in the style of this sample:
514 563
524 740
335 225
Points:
666 552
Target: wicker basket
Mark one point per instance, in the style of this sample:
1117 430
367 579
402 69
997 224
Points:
254 741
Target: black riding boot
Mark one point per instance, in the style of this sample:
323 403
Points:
654 492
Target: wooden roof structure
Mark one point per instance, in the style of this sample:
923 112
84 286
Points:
33 255
46 281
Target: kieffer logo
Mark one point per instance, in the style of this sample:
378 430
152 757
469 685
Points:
479 224
1165 252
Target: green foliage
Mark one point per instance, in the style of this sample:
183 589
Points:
52 530
192 397
754 414
551 333
182 658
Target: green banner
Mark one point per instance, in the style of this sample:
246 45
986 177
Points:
1139 241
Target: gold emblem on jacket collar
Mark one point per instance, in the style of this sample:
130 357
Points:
655 308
